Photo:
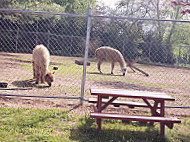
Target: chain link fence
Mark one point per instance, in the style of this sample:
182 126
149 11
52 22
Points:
64 36
164 67
138 40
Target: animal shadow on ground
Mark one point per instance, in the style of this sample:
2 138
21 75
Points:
87 131
30 83
75 107
108 74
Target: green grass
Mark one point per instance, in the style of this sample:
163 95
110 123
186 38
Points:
69 71
116 131
24 124
54 125
27 67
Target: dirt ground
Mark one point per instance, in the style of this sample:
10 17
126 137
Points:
11 70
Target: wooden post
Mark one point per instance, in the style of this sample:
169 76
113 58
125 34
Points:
99 105
162 125
131 65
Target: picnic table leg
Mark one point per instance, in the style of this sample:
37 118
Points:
154 111
162 125
152 108
162 128
99 124
99 105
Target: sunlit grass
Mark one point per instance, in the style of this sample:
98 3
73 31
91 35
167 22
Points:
25 124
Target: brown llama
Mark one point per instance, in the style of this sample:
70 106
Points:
112 55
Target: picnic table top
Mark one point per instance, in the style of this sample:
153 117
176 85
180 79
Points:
106 92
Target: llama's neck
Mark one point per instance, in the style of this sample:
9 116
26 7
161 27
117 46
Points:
47 70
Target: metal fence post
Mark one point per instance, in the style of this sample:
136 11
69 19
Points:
86 54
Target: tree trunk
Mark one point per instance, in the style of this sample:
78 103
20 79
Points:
173 26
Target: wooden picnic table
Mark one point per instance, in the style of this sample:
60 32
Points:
157 108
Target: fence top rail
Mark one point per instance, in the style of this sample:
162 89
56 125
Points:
38 96
40 13
142 19
95 16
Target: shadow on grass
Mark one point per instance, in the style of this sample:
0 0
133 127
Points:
108 74
30 83
87 132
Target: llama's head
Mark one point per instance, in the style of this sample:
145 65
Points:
49 78
124 71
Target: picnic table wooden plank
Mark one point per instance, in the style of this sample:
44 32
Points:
168 121
131 94
120 102
134 117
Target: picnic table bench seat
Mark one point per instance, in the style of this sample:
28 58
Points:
168 121
134 117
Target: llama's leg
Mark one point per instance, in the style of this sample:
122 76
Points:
99 63
41 76
43 73
42 79
112 67
34 69
37 74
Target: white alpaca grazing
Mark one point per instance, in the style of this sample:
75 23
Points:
40 61
111 55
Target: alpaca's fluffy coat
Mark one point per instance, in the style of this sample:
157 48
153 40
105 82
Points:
40 61
111 55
